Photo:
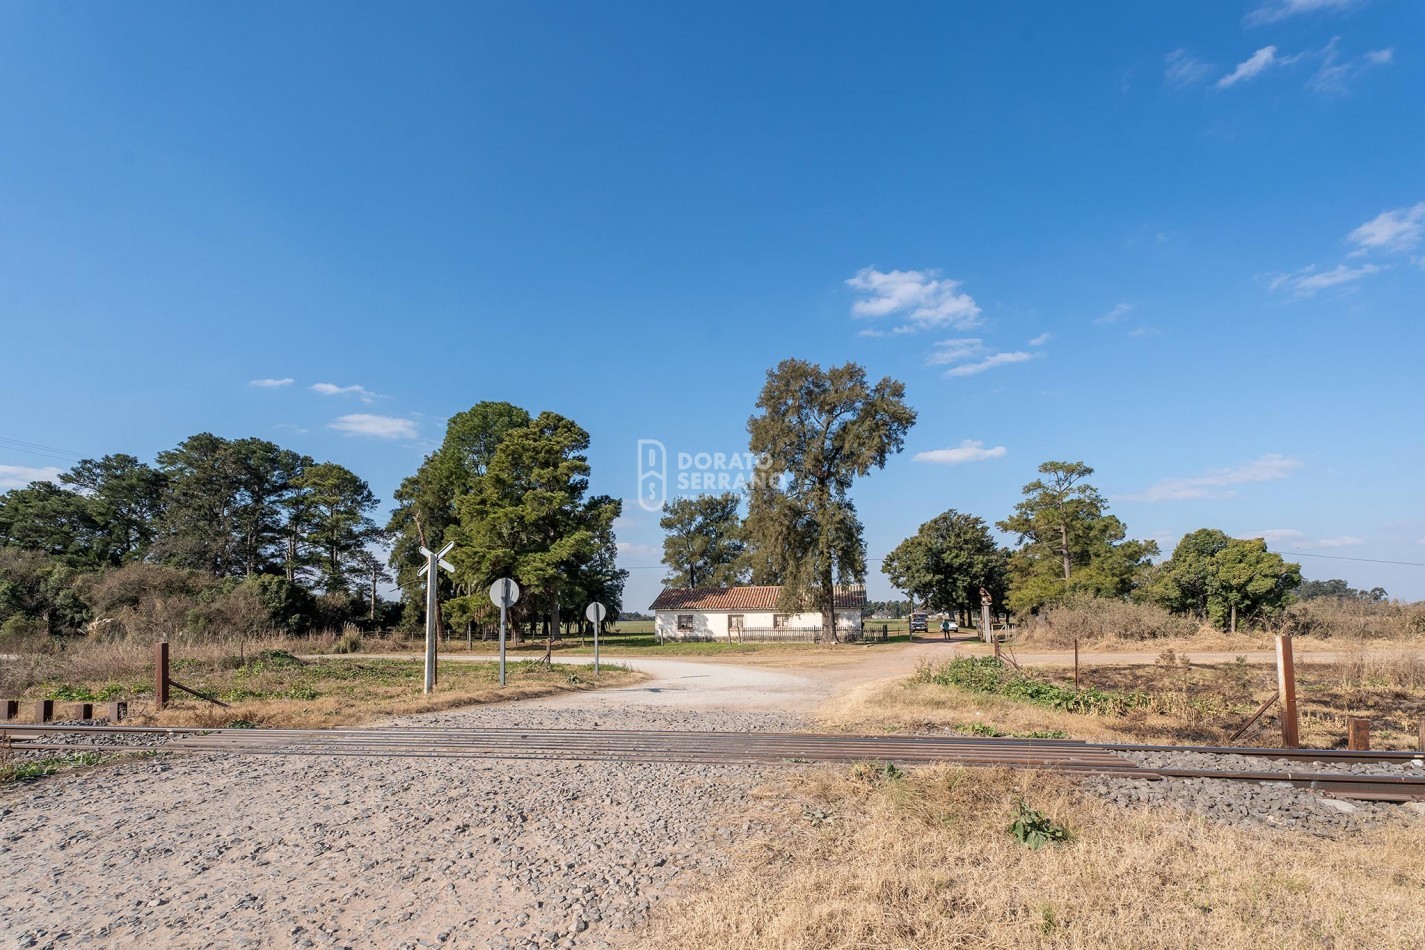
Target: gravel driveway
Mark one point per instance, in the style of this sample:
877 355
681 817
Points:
257 851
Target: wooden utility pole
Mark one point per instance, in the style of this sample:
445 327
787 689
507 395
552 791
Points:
160 676
1286 689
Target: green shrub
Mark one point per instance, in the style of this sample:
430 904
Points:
1034 829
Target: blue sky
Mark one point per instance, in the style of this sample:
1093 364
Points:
1182 242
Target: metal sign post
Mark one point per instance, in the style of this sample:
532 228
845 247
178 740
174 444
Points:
504 592
434 561
596 612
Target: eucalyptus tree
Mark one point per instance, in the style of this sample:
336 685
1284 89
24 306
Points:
817 432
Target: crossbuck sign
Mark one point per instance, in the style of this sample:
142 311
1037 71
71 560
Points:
429 570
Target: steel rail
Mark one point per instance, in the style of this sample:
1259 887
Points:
1320 755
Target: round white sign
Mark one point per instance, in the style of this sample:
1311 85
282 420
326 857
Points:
596 612
504 592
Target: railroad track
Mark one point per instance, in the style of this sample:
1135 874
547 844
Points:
729 748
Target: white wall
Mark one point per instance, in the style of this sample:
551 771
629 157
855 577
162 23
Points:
714 623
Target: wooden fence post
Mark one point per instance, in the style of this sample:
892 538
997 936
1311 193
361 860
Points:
1358 734
160 675
1286 688
1076 664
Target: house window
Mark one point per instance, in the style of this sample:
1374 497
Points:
685 621
779 621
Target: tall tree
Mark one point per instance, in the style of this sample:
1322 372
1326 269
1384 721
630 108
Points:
127 498
1248 580
427 502
226 505
1068 542
817 432
946 562
336 504
703 546
527 516
47 518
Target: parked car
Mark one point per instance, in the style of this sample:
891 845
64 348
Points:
948 627
919 623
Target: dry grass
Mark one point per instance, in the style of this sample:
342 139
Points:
925 861
271 687
1182 703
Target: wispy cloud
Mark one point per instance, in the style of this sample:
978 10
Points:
1218 482
1260 61
630 549
1041 339
1309 280
990 362
18 476
1182 69
1344 541
332 389
1334 73
378 427
1398 230
1116 315
964 350
1138 333
921 298
271 383
1282 9
970 450
1274 535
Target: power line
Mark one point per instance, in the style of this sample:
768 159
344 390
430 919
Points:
1365 560
36 448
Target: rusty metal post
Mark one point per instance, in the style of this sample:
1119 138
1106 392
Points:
1076 664
1421 745
1358 734
160 675
44 710
118 711
1286 688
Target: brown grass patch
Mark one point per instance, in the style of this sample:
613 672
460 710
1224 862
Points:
926 861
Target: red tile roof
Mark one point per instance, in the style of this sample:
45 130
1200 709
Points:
748 597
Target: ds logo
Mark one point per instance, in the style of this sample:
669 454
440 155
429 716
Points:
652 474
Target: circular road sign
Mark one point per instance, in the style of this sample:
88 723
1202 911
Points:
596 612
504 592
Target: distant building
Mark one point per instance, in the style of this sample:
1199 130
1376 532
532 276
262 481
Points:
749 613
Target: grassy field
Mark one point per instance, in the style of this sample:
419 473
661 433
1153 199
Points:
1171 701
877 858
274 687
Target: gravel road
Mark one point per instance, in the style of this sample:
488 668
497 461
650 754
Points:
280 851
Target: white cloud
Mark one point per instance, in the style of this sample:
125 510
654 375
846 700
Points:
631 549
1251 67
18 476
1345 541
332 389
990 362
1183 69
1281 9
271 383
922 298
970 450
379 427
1309 280
1273 535
1399 229
1137 333
1115 315
1333 74
1041 339
955 350
1217 483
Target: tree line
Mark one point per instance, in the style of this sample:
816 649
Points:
295 531
819 430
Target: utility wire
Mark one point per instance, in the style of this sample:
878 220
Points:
35 448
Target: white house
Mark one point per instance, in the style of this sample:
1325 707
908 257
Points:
749 613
